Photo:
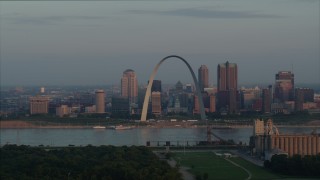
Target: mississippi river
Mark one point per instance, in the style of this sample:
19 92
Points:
137 136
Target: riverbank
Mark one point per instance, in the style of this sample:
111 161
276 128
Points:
19 124
28 125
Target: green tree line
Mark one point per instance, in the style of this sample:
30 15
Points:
295 165
90 162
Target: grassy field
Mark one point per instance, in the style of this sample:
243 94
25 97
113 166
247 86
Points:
207 162
257 172
218 168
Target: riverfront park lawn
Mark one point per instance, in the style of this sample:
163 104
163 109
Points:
219 168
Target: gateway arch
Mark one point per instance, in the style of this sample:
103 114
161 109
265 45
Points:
148 92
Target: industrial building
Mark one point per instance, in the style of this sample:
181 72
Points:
39 105
267 141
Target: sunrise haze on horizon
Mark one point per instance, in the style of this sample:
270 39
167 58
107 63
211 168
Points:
90 43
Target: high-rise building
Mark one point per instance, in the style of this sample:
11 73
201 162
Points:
284 86
196 108
129 86
39 105
232 103
308 94
299 99
100 101
203 77
249 96
227 86
266 100
303 95
212 103
141 95
222 100
227 76
156 86
209 103
156 103
257 105
184 100
120 105
179 86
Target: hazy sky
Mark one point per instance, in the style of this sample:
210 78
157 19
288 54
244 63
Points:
92 43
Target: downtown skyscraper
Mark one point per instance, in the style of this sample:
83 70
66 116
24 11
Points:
203 77
129 86
284 86
100 101
156 86
266 100
227 87
227 76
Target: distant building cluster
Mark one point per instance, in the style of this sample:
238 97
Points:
126 100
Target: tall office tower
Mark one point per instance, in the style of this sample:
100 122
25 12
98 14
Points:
156 103
141 95
129 86
212 103
303 95
156 86
203 77
284 86
179 86
308 94
196 108
100 103
227 86
232 103
184 100
227 76
299 99
266 100
39 105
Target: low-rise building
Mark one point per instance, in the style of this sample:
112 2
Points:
63 110
90 109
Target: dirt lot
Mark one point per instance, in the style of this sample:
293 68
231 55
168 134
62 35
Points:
16 124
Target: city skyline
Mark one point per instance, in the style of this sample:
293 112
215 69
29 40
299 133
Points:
99 40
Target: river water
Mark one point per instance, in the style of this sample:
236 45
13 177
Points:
137 136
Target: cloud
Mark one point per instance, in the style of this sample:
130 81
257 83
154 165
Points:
207 13
18 18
